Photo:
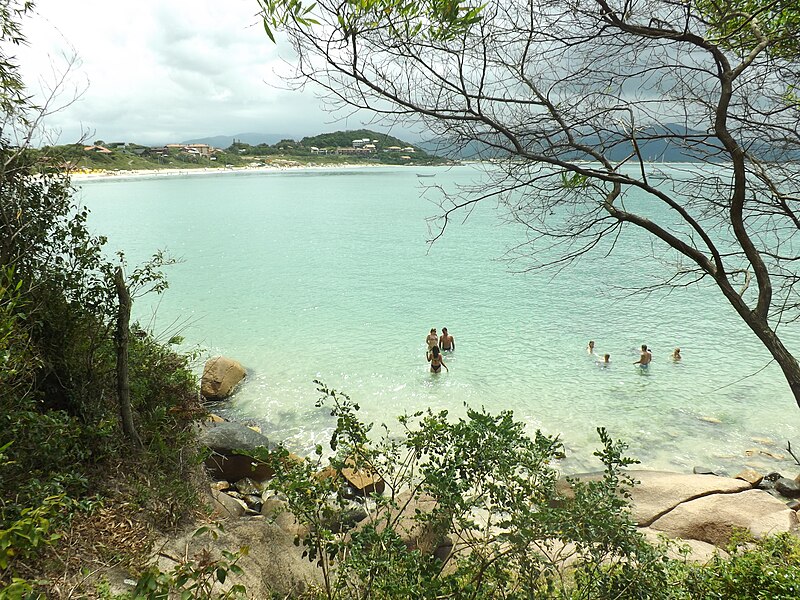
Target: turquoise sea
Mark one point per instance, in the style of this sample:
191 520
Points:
327 274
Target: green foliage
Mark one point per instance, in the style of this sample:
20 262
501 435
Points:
741 25
12 96
767 568
344 139
425 19
198 577
27 537
493 489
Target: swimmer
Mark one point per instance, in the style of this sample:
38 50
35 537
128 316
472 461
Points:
676 354
645 357
431 339
606 360
590 347
446 342
435 358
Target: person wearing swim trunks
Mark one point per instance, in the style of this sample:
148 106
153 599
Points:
645 357
446 342
431 339
435 358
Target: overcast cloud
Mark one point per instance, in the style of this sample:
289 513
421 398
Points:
156 71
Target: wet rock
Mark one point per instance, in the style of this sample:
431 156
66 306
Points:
703 471
772 477
224 439
788 487
221 375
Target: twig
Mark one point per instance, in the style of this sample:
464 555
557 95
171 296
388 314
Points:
789 450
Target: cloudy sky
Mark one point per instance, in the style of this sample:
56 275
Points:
155 71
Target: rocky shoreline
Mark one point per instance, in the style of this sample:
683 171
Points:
700 511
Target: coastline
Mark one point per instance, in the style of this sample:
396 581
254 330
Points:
163 173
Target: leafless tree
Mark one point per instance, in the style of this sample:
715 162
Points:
577 103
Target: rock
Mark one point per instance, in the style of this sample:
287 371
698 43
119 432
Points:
760 452
788 487
224 439
212 418
221 375
362 481
225 506
686 550
751 476
703 471
274 567
248 487
763 441
658 492
712 420
713 518
253 502
417 534
220 486
794 505
772 477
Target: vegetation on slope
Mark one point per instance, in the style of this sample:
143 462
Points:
319 150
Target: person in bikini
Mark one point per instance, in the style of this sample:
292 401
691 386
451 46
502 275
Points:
431 339
435 358
446 342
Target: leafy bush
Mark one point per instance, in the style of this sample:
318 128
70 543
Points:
515 534
763 569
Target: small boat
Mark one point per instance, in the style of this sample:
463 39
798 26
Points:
426 174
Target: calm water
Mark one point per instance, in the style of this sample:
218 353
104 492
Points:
327 274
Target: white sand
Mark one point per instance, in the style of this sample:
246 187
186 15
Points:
158 173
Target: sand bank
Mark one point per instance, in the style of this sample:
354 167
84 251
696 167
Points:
162 173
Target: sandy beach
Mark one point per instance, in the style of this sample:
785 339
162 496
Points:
163 173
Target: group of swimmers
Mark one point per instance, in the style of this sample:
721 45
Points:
645 356
437 345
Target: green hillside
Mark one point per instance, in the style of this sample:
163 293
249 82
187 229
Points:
343 139
325 149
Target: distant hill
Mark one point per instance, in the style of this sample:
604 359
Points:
654 144
253 139
342 139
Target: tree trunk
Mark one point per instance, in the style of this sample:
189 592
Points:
784 358
123 382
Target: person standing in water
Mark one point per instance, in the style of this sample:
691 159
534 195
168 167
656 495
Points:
432 339
676 354
435 358
645 357
590 347
446 342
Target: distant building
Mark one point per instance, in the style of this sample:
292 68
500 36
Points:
361 143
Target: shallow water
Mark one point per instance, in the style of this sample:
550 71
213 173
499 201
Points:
315 274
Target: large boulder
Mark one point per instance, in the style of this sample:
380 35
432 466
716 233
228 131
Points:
658 492
713 518
221 375
410 520
273 567
224 439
